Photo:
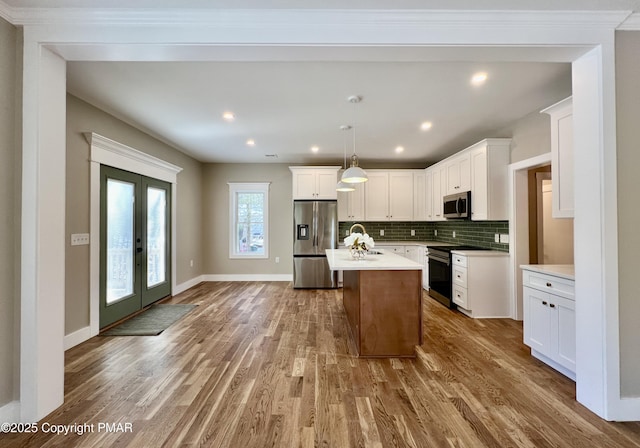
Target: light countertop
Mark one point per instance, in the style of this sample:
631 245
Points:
340 260
410 243
480 253
559 270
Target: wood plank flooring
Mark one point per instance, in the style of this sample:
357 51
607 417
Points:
263 365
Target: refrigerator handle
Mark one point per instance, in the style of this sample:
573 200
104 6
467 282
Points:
315 223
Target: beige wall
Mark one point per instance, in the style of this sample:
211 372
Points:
9 191
531 136
82 117
215 205
628 137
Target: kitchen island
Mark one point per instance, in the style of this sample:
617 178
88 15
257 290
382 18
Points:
382 298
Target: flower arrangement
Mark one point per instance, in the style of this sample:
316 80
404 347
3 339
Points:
359 244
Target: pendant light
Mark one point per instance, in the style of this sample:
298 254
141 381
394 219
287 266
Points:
355 174
343 186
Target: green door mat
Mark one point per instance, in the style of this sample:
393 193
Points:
151 322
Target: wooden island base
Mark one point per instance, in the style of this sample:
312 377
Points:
384 310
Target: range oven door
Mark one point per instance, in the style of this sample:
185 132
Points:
440 277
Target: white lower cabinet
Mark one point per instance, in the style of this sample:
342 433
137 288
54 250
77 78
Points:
549 320
480 283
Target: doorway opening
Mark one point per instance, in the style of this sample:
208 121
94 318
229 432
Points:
550 239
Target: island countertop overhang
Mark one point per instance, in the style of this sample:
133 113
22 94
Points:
341 260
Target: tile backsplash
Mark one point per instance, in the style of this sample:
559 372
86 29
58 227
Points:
472 233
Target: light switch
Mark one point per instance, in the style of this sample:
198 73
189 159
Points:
79 239
504 238
497 238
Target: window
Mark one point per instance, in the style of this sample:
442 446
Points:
249 220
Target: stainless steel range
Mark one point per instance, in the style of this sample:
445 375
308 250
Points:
440 272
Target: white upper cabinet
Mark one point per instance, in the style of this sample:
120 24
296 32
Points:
314 182
436 190
351 204
481 169
376 193
561 157
401 195
389 195
419 195
489 193
428 185
458 174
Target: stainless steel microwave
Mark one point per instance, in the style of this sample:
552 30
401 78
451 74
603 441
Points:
457 205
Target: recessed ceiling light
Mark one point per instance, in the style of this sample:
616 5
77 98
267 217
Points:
315 149
426 125
251 142
478 78
228 116
399 149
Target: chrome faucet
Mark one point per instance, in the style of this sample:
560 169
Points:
357 225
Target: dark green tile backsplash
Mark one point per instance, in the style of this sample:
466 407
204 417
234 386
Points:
472 233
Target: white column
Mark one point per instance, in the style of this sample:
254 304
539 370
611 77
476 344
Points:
43 232
596 245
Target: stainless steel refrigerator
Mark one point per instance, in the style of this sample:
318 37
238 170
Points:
315 228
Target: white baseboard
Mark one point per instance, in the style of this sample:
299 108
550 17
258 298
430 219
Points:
182 287
248 278
77 337
626 409
10 412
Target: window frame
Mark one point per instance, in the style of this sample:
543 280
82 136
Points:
248 187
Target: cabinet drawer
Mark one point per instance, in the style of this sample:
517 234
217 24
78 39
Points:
549 283
459 260
460 296
459 276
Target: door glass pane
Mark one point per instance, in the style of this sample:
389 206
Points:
120 239
156 236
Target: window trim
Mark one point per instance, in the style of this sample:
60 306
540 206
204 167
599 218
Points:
248 187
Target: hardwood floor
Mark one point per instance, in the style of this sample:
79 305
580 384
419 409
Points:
264 365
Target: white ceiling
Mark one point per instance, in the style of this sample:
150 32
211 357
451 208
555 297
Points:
287 107
290 98
337 4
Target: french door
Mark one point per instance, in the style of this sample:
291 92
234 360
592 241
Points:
135 244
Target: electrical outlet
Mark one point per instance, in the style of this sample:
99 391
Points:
504 238
454 233
79 239
413 232
435 232
382 232
277 259
346 233
496 238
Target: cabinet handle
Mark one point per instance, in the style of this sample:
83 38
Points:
549 284
544 303
552 305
